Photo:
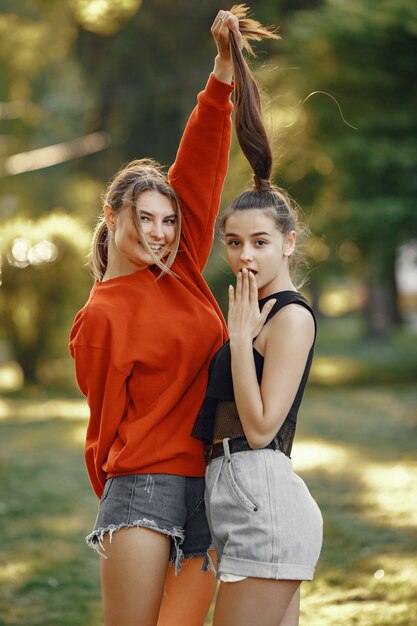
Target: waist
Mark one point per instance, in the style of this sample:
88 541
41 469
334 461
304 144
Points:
237 444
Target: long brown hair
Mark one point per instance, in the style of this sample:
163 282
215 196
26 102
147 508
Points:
124 189
254 140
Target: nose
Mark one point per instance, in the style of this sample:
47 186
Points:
157 231
246 255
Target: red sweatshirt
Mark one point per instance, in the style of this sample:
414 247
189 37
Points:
142 346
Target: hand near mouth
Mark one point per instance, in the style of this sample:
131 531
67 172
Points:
244 319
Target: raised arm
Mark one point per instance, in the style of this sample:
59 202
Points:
201 163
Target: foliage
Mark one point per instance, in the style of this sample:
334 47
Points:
43 282
133 70
360 186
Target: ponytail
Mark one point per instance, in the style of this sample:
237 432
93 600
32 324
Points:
249 125
255 144
97 257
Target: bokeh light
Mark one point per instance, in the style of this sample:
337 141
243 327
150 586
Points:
104 17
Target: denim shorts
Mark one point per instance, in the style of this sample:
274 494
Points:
169 504
263 520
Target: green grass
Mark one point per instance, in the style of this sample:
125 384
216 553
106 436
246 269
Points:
355 449
344 355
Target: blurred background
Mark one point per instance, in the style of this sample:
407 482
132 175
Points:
87 85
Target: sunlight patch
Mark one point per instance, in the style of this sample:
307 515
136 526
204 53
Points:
36 410
321 455
335 370
391 493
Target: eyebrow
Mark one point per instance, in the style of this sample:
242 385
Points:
259 234
143 212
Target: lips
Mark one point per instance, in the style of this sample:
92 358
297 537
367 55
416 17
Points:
249 270
154 247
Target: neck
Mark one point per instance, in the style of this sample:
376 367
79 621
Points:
118 266
282 282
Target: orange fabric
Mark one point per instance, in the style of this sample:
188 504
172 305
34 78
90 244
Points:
142 346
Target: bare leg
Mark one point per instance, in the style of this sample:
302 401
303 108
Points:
259 601
292 616
188 596
133 576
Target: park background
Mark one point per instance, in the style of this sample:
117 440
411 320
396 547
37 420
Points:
87 85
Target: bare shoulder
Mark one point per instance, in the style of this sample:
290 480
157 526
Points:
293 322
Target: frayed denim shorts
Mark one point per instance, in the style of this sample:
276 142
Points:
263 520
169 504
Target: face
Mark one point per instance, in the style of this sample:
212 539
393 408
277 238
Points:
158 222
253 241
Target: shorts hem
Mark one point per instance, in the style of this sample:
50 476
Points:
207 566
95 539
260 569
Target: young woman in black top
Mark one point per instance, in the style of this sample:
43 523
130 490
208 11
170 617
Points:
266 527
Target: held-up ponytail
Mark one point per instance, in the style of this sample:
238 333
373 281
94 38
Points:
255 144
250 129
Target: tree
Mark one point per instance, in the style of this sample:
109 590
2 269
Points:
361 185
44 282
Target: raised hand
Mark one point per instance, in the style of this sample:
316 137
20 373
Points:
224 22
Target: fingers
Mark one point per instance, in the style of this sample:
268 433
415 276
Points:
245 285
253 289
239 281
226 20
231 297
218 23
223 23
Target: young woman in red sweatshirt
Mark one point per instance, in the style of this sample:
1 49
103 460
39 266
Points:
142 345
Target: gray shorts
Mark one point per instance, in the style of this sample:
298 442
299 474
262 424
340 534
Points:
263 520
169 504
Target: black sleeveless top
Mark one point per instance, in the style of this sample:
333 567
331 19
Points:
218 416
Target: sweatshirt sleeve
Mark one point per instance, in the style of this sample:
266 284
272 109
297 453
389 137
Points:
104 386
201 165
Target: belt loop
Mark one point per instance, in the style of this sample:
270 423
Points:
226 449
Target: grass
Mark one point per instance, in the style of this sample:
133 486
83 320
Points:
355 449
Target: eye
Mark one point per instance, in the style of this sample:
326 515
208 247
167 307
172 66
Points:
144 218
260 243
170 220
233 243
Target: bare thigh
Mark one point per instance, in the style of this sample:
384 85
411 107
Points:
259 601
188 596
133 576
292 615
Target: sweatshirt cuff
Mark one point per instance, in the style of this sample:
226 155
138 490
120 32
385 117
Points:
217 93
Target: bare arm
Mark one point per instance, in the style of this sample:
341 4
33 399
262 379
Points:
289 336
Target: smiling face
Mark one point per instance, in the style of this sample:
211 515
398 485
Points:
253 241
158 221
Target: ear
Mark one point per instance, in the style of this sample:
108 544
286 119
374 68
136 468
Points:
109 217
290 243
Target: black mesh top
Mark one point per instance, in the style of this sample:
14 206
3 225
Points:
218 416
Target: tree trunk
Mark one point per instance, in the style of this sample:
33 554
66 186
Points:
382 312
28 360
